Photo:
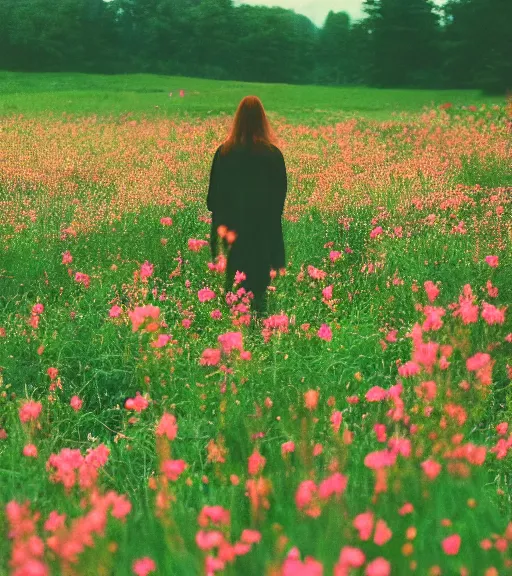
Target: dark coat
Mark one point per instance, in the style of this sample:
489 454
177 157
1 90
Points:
246 194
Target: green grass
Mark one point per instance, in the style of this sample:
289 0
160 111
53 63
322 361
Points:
104 362
140 95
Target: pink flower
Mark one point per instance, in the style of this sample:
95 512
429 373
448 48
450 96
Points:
479 360
75 403
502 428
239 277
492 315
451 545
407 508
196 245
250 536
335 255
141 314
287 447
82 278
380 459
166 221
139 403
311 399
66 257
38 308
30 410
315 273
167 426
335 484
210 357
391 335
277 322
431 468
327 292
231 341
206 540
382 533
30 451
325 332
256 463
376 232
305 492
115 311
409 369
146 270
173 468
161 341
143 566
205 294
376 394
336 420
431 289
492 261
351 557
363 523
378 567
214 514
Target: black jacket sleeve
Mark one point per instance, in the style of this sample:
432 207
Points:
212 201
278 197
213 187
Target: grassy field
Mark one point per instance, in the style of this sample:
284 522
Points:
149 426
148 95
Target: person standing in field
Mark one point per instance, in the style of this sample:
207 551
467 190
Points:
246 195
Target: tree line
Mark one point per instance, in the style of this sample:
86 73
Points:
398 43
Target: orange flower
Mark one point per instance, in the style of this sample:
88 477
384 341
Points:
222 231
231 236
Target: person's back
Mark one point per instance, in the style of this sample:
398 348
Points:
246 195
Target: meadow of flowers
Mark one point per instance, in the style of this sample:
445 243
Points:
149 426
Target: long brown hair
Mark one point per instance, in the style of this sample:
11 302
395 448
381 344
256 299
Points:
250 126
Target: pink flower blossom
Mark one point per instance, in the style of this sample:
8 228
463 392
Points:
166 221
231 341
139 403
66 257
378 567
335 255
492 261
382 533
210 357
431 468
30 410
287 447
325 332
205 294
146 270
409 369
432 290
327 292
167 426
376 394
377 231
363 523
451 545
479 360
492 315
115 311
196 245
30 451
143 566
256 463
315 273
75 403
173 468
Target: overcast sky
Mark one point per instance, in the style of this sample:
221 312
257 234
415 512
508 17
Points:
315 10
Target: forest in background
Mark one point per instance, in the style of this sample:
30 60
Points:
399 43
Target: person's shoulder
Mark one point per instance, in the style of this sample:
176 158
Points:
275 150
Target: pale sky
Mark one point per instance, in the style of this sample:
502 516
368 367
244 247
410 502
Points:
315 10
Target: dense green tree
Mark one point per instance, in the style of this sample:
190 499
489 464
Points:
404 42
398 43
478 44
